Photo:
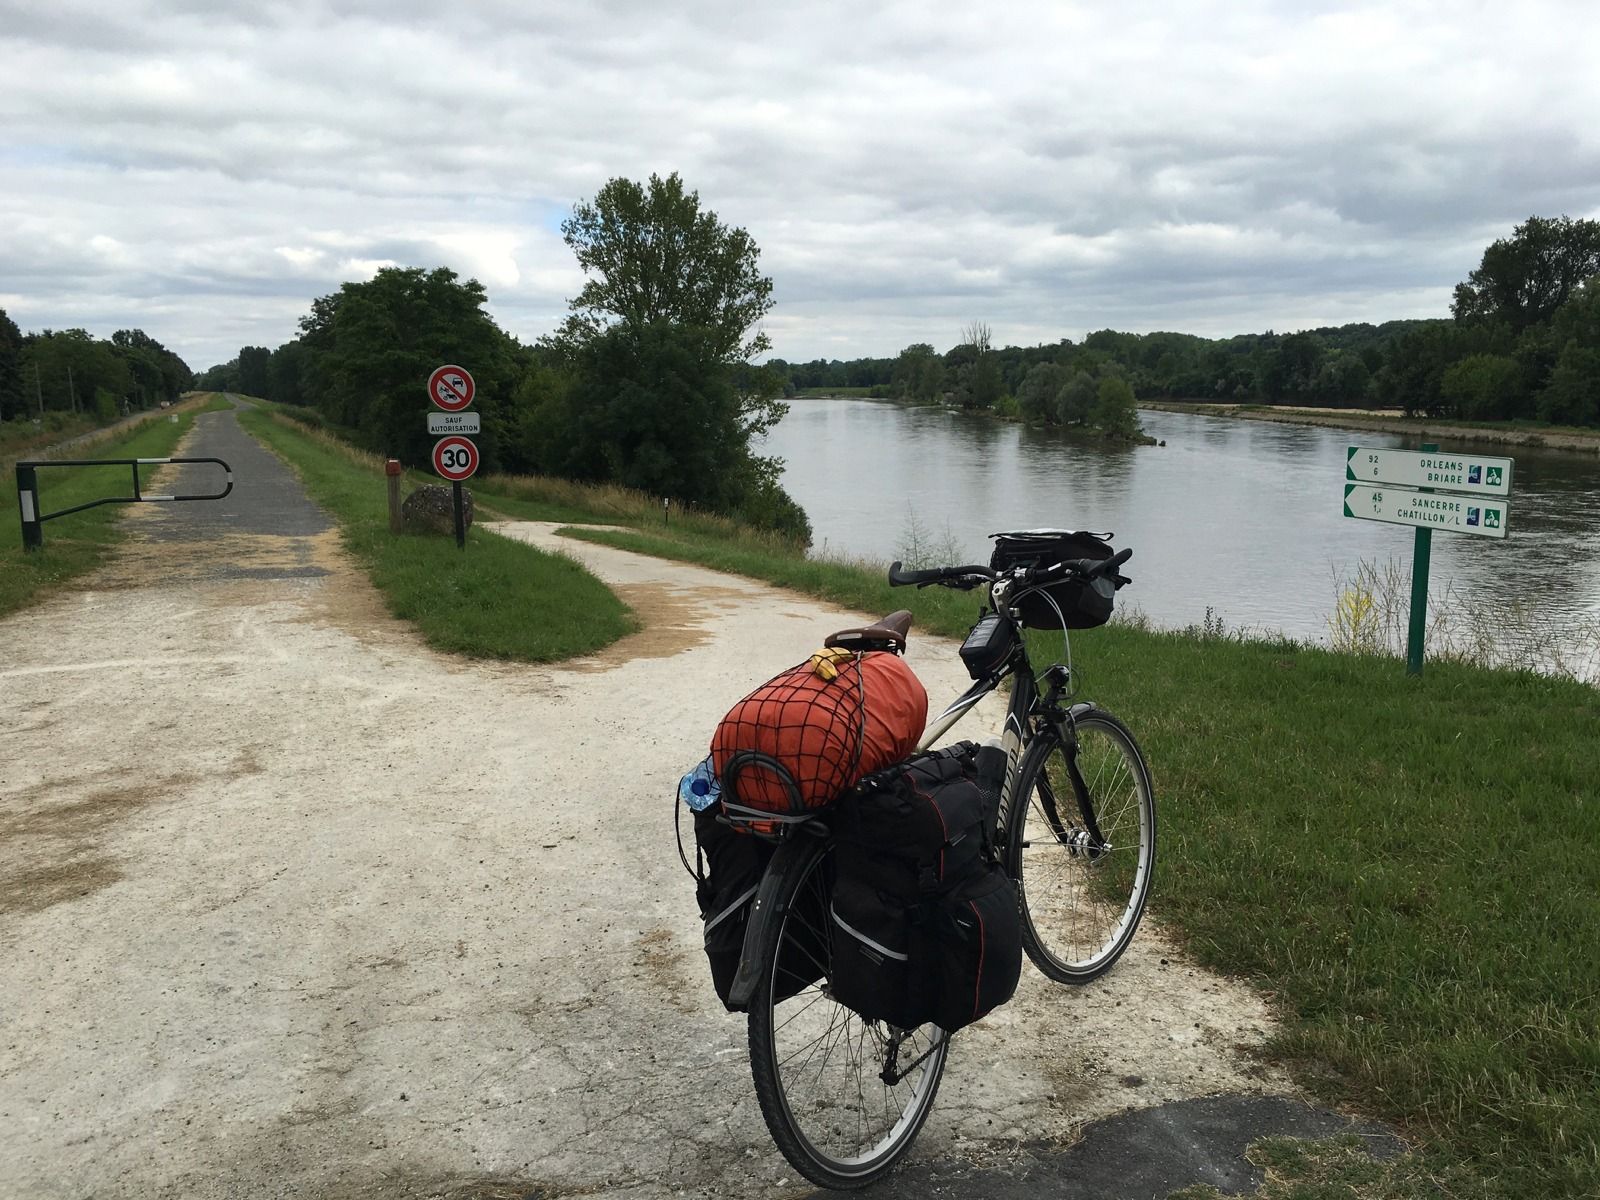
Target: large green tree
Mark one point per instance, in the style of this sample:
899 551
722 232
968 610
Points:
918 374
158 373
71 369
1525 278
370 347
652 255
255 371
1482 387
1572 396
661 394
976 367
1039 392
650 407
13 402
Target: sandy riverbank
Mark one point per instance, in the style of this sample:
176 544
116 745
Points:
1390 421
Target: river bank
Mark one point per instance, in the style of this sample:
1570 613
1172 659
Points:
1584 441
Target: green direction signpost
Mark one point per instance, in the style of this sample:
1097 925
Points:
1427 489
1426 510
1475 474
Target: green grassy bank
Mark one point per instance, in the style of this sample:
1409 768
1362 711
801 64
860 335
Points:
76 544
1409 868
498 598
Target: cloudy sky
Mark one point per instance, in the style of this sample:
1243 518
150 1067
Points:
202 169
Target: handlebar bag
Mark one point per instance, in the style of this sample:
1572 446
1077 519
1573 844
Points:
925 923
1054 603
824 730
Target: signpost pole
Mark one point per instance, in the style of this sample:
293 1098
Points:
1421 553
461 522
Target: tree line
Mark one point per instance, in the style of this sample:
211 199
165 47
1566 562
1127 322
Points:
70 371
648 383
652 382
1522 342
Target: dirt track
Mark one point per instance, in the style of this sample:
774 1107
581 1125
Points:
293 906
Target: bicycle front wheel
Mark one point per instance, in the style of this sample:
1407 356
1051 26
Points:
844 1097
1081 845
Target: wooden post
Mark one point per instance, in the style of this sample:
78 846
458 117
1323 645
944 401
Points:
391 470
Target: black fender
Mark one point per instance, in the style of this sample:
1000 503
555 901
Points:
793 857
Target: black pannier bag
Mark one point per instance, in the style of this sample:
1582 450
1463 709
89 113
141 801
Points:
726 888
1081 605
925 923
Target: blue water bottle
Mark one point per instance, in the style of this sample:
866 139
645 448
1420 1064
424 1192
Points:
700 788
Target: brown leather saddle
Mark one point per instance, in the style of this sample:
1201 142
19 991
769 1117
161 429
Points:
887 634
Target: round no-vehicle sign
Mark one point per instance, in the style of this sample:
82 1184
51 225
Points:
455 458
451 387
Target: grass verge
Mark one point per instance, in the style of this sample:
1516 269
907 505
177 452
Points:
1407 866
75 544
496 599
1335 1169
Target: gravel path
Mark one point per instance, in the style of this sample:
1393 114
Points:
291 905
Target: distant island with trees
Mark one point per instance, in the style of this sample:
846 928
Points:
1522 343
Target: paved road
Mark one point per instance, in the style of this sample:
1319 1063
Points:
267 504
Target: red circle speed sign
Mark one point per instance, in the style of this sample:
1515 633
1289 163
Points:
451 388
455 458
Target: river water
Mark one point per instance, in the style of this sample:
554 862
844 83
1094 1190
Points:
1244 517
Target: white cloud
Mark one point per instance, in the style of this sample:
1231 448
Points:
204 170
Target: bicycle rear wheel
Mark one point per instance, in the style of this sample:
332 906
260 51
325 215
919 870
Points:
844 1097
1082 862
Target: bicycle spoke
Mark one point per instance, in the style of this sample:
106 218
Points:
818 1066
1081 895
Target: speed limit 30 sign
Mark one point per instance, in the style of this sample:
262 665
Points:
455 458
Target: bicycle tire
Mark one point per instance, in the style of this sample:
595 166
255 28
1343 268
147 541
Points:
816 1063
1081 907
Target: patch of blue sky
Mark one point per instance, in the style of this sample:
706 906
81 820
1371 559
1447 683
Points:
41 154
545 214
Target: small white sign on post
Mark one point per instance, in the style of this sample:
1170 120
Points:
1475 474
1427 510
441 424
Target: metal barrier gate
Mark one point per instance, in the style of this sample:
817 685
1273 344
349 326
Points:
34 517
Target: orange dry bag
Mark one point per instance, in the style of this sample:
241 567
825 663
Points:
825 725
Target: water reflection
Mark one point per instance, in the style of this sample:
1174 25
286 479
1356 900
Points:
1243 516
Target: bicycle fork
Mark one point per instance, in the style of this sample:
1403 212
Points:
1088 841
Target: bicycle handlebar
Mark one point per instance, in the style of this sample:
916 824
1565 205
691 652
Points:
971 576
900 577
1090 568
